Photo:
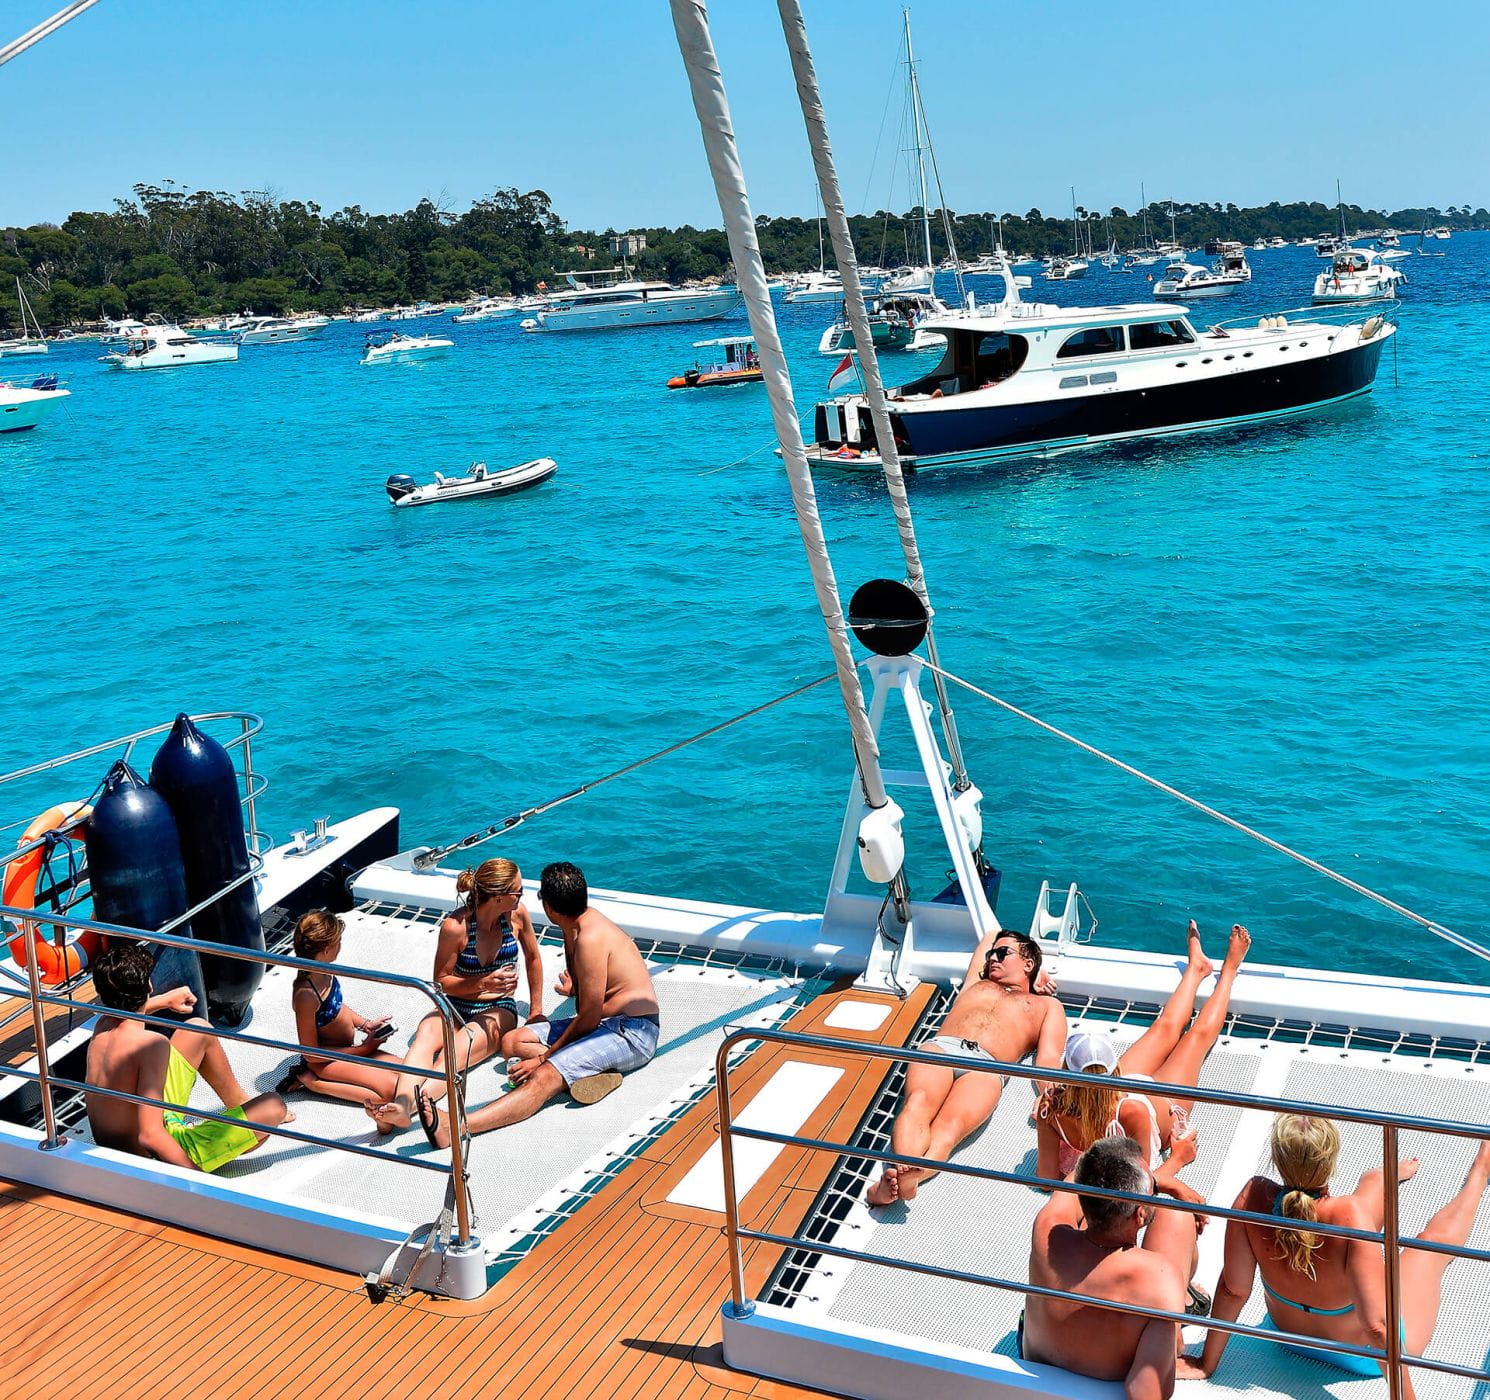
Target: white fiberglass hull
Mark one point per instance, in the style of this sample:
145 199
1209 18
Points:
275 335
396 354
174 356
23 347
25 408
658 310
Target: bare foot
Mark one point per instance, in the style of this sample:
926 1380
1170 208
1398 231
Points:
885 1191
1198 960
912 1179
1482 1159
390 1116
1237 945
1407 1168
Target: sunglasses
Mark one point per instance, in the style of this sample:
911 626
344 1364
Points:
1004 950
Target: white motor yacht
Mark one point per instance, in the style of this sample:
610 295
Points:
1065 269
403 490
365 318
1356 274
611 300
272 330
821 285
168 347
1021 379
25 405
30 341
1186 281
121 332
486 309
391 347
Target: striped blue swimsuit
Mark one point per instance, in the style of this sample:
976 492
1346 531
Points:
468 964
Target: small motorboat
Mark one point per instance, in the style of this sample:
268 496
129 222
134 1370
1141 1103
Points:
741 365
23 406
385 347
403 490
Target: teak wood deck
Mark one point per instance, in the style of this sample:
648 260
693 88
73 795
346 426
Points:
620 1301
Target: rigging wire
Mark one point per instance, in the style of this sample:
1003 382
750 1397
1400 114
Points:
1447 934
429 859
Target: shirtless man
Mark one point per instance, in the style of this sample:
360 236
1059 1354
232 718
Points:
614 1028
997 1016
138 1059
1099 1247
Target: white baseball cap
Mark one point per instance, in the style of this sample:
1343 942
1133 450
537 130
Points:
1090 1049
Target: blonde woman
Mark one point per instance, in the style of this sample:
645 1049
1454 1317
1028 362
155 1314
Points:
1070 1118
1319 1286
476 961
324 1020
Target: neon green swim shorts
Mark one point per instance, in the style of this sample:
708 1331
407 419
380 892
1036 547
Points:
210 1145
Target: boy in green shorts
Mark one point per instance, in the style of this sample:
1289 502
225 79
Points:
138 1059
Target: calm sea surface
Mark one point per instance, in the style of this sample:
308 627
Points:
1291 623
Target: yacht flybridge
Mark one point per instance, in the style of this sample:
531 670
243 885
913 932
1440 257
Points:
1026 379
610 299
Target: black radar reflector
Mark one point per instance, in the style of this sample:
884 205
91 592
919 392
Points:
887 617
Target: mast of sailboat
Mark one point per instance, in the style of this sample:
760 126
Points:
917 121
1340 209
707 87
50 25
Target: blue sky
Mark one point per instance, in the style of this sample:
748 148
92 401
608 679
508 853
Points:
379 103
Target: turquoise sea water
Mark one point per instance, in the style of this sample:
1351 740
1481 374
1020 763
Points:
1292 623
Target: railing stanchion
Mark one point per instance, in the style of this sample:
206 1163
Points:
742 1305
39 1030
1392 1252
455 1112
248 788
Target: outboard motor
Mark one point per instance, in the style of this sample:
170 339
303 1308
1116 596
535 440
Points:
399 485
196 777
134 866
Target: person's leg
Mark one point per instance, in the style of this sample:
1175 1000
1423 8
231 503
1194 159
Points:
425 1052
967 1108
1185 1061
1371 1189
476 1042
1422 1272
268 1109
205 1054
926 1090
1155 1045
520 1103
375 1080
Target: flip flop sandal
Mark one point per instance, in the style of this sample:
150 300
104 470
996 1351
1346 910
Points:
1200 1302
429 1114
291 1084
594 1087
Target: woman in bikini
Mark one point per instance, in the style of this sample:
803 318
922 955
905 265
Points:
1070 1118
476 967
324 1020
1320 1286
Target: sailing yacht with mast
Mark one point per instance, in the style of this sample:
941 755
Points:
920 278
30 341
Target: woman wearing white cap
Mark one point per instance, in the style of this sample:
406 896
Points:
1071 1117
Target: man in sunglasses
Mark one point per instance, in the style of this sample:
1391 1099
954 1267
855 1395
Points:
1124 1251
998 1017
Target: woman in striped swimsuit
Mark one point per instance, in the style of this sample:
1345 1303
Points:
476 967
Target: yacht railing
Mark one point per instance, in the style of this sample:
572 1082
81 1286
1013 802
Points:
53 907
1339 313
49 1083
1389 1237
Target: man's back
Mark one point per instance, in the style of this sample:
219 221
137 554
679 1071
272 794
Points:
1093 1341
131 1058
628 984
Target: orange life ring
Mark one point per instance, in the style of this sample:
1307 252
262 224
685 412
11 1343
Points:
54 964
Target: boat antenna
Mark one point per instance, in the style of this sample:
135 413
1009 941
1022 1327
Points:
805 72
16 47
691 24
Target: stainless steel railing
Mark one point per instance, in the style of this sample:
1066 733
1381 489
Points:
1389 1237
48 1082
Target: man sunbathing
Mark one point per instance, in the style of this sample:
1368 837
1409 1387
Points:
1117 1250
614 1028
997 1016
138 1059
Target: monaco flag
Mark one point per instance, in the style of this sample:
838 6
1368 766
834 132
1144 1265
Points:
844 375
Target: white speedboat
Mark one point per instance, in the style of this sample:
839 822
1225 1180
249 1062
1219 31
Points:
403 490
1187 281
366 318
23 406
273 330
168 347
822 285
412 313
30 341
389 347
1357 275
611 300
1065 269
